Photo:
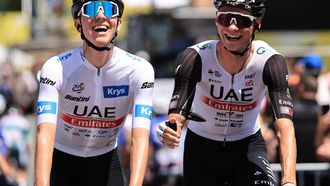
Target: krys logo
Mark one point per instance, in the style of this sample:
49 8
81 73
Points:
115 91
46 107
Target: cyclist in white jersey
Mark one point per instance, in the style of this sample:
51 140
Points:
224 81
84 98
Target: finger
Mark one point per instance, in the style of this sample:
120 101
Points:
170 140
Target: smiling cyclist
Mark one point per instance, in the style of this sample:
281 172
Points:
225 81
85 95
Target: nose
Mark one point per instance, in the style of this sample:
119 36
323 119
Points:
100 13
233 26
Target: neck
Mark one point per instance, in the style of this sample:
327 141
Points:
95 57
233 64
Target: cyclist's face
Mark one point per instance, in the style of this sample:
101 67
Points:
236 29
100 30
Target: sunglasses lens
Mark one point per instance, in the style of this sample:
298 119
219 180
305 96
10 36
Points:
239 20
92 8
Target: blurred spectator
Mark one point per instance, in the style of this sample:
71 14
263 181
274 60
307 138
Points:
7 82
312 64
56 18
7 172
323 137
296 70
323 92
15 128
306 112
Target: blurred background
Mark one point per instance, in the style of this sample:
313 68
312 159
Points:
31 31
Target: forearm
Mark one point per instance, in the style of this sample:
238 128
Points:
43 156
287 149
139 156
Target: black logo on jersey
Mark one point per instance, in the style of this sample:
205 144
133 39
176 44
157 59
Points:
78 88
147 85
47 81
214 73
78 99
245 94
95 111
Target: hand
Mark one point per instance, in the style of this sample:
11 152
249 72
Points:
167 135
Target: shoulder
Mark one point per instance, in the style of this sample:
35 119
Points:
263 48
205 45
132 61
59 60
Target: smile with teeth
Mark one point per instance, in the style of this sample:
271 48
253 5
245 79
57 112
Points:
233 37
100 28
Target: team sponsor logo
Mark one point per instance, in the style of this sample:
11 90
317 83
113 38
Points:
222 105
144 111
250 76
65 56
78 88
283 102
236 125
286 110
134 57
261 50
91 122
103 132
214 81
115 91
232 115
219 93
95 111
214 73
46 107
270 173
205 46
84 131
77 99
249 83
76 133
263 182
147 85
47 81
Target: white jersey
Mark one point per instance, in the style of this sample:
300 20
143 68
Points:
230 103
89 105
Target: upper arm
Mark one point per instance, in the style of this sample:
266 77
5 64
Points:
49 87
275 76
188 73
143 79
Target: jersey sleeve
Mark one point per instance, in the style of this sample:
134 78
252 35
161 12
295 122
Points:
143 84
49 86
275 76
188 73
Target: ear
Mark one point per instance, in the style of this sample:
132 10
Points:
258 23
119 24
77 24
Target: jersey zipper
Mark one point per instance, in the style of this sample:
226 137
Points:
229 117
97 101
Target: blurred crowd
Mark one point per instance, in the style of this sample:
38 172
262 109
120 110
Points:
18 89
309 84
